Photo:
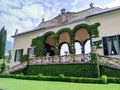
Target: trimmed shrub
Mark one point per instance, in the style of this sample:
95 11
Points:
85 80
75 70
110 72
61 76
7 76
114 80
104 79
40 75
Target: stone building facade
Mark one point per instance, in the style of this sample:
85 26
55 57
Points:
109 19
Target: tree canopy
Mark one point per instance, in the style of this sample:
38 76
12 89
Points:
3 34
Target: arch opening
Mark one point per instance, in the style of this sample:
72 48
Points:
64 49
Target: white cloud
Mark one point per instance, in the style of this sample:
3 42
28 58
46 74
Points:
75 2
27 14
33 11
114 3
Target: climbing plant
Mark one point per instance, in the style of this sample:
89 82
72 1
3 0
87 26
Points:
39 46
93 30
79 26
97 44
39 42
71 37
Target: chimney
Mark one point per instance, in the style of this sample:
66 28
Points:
63 11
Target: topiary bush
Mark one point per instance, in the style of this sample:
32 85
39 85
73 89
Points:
61 76
104 79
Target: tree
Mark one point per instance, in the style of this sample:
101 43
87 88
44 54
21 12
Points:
3 34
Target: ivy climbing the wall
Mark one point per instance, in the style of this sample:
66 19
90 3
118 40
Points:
39 42
39 46
71 37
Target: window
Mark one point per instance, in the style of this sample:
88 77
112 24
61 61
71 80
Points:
111 45
31 50
18 55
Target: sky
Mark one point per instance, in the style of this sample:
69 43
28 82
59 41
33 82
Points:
25 15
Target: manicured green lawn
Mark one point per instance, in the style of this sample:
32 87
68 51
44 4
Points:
16 84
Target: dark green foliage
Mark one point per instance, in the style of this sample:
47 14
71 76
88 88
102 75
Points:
39 43
97 44
75 70
110 72
94 57
7 76
114 80
78 70
20 71
24 58
39 46
3 67
3 33
93 30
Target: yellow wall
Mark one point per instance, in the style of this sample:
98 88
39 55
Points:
110 24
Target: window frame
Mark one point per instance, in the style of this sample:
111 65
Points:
21 54
105 44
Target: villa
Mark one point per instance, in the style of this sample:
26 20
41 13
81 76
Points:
70 33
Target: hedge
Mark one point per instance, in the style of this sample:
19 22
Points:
61 77
110 72
76 70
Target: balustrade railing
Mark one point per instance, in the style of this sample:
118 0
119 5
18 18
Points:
78 58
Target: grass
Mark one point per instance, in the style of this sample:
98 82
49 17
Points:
16 84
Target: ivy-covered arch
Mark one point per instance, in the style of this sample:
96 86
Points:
68 30
79 26
49 45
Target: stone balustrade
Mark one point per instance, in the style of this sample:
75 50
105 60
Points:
110 62
15 68
79 58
